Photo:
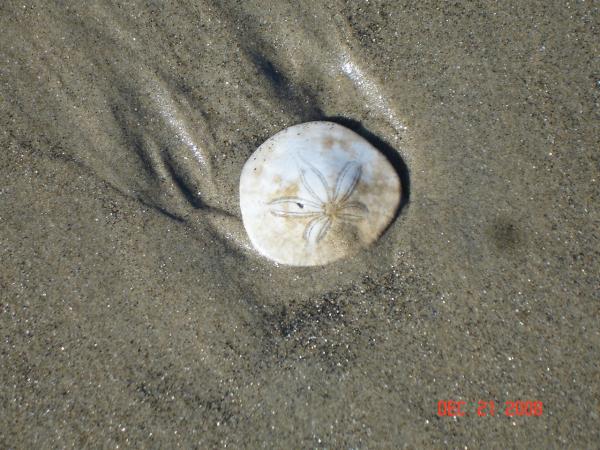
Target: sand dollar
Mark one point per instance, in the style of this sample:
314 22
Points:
316 192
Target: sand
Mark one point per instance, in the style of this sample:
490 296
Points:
134 312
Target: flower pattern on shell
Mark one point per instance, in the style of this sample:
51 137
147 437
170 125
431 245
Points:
326 205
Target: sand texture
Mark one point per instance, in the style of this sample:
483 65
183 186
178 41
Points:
134 312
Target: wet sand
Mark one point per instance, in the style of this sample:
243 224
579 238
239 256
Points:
134 312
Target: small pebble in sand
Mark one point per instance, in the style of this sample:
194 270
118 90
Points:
316 192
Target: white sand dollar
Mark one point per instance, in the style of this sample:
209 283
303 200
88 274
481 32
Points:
316 192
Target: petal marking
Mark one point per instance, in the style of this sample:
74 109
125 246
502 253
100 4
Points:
294 213
317 229
314 172
347 181
356 206
298 201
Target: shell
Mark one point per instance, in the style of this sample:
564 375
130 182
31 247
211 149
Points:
316 192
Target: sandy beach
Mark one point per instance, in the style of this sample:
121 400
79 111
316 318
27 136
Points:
134 312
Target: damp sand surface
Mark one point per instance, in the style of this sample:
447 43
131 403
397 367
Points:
133 312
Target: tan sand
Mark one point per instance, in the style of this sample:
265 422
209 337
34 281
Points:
133 312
